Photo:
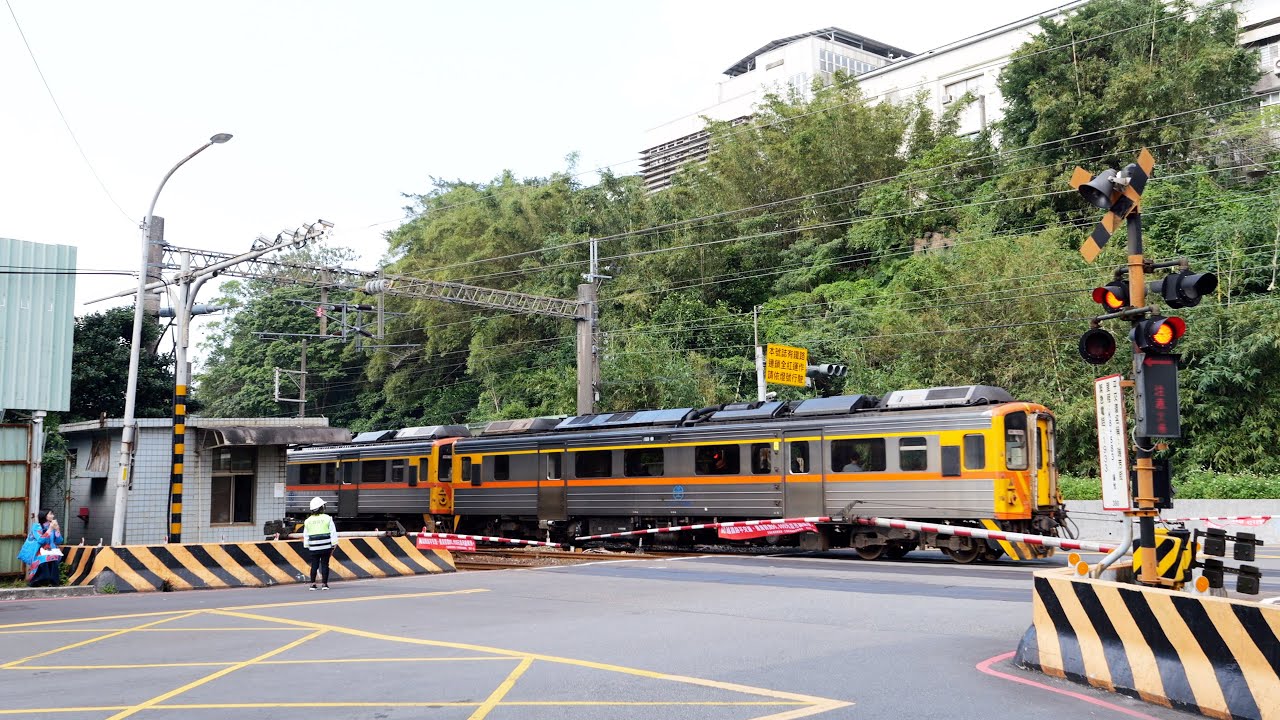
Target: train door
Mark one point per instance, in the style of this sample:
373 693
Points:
348 485
553 489
802 484
1043 468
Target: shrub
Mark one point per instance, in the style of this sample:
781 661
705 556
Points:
1187 485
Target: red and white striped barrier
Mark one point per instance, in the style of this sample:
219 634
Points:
1225 518
703 526
981 534
482 538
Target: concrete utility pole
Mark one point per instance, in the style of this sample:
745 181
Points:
129 433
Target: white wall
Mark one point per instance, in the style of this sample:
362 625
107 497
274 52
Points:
1098 524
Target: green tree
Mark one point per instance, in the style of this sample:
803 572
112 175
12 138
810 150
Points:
100 368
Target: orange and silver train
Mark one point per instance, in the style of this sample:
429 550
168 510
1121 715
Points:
969 455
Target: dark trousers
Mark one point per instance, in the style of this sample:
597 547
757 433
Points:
320 561
49 573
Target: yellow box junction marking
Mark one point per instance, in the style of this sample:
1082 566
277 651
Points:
786 706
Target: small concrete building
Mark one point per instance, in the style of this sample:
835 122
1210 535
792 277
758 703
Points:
234 475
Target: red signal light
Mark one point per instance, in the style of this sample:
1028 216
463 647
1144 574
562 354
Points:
1158 334
1112 296
1097 346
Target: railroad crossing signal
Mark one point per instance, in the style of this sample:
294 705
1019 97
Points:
1213 541
1112 296
1097 346
1118 193
1184 288
1158 334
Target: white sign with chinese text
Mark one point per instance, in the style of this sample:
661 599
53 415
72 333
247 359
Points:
1113 450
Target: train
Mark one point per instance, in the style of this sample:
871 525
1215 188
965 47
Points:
966 455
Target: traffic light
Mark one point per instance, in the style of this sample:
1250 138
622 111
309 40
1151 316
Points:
1097 346
1185 288
1157 334
1112 296
826 370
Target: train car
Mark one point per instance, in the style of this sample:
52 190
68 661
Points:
968 455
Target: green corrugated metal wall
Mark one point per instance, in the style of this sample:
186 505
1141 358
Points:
37 306
14 443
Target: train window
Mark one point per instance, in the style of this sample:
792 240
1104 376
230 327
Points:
308 474
373 471
913 453
975 452
501 467
761 459
1015 441
1044 444
799 456
329 474
865 455
640 462
553 466
445 469
593 463
347 471
398 468
466 471
716 460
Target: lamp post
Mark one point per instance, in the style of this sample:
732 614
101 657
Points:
129 435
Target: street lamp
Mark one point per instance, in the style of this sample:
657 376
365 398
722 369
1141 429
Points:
129 434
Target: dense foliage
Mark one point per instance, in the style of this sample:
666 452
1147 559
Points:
871 233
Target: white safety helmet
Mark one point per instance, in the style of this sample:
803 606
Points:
316 503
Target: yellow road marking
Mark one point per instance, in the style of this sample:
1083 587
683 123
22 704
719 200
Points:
520 703
501 691
264 662
214 676
32 711
299 603
100 618
82 643
146 630
813 701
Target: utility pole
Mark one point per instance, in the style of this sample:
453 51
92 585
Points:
302 382
755 327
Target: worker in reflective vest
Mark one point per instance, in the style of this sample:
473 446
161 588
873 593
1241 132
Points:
318 536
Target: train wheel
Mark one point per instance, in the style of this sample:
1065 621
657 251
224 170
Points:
967 555
870 552
897 551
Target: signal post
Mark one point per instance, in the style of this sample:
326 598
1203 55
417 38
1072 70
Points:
1153 335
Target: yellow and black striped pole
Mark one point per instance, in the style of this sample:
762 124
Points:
179 451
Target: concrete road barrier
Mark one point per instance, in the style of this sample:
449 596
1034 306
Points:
146 568
1212 655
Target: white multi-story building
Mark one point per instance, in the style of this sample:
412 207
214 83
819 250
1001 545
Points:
783 65
944 75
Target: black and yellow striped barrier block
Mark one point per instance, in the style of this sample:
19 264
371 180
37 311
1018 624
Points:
1211 655
146 568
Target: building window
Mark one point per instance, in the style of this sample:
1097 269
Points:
954 91
830 61
232 486
1268 55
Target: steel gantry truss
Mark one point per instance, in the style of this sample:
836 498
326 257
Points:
583 310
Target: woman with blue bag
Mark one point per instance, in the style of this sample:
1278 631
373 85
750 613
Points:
40 552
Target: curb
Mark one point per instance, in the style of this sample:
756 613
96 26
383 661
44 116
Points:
38 593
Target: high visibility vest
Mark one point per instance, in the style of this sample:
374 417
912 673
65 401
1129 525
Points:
318 532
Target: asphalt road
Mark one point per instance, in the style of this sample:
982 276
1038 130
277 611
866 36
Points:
721 638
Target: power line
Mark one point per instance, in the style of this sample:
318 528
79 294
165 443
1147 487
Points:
65 123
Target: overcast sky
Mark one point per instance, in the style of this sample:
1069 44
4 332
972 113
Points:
338 108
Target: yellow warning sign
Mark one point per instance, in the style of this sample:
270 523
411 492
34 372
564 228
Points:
785 365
